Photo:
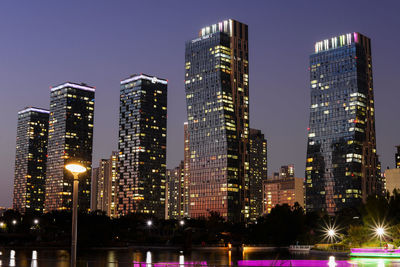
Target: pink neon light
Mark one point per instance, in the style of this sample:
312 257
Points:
290 263
374 250
356 37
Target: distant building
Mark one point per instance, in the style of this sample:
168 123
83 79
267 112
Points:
70 140
217 98
342 164
30 160
283 191
176 192
257 171
286 171
186 164
142 145
392 177
104 186
275 175
397 157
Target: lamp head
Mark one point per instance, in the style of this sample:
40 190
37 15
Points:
75 168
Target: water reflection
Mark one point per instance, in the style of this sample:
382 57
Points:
148 259
198 258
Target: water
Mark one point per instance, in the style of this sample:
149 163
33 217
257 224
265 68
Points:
164 258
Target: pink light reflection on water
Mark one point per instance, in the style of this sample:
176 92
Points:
169 264
293 263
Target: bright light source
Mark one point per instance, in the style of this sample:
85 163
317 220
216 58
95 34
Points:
75 168
149 223
331 232
2 224
182 222
14 222
35 221
380 231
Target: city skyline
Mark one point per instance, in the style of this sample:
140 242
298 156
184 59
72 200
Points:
297 114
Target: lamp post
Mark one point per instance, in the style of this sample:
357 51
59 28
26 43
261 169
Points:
75 169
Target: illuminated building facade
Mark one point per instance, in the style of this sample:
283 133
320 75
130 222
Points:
142 145
70 140
258 171
186 165
397 157
105 186
176 192
217 91
283 191
342 164
30 160
286 171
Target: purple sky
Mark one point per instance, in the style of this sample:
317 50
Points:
45 43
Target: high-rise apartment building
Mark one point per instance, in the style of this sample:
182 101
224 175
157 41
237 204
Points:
342 164
186 165
105 186
397 157
176 192
217 97
258 171
30 160
282 191
286 171
142 145
70 140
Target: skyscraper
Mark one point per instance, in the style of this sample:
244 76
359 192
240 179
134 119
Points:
258 171
286 171
342 164
397 157
105 186
176 192
217 97
186 165
70 140
30 160
142 145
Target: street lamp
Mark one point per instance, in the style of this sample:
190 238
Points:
182 222
149 223
14 222
75 169
35 221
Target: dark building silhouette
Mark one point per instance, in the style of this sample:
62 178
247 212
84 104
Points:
258 171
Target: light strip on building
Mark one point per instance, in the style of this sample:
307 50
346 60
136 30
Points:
72 85
144 77
35 110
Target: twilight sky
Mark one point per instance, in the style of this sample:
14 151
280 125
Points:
44 43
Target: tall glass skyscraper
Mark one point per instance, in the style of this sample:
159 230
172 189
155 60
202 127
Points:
342 164
217 97
70 140
30 160
142 145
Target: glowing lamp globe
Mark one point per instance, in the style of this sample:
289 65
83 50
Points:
75 168
380 231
